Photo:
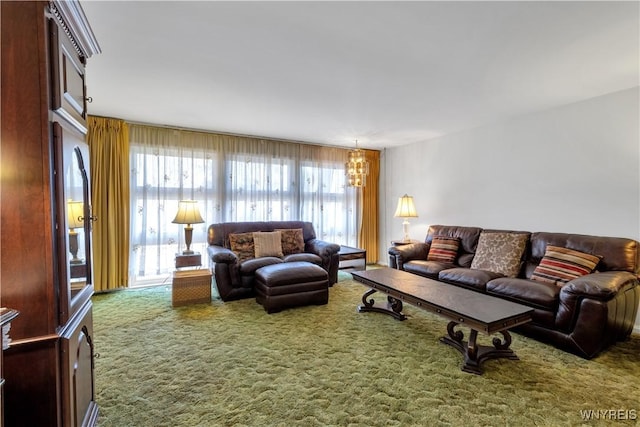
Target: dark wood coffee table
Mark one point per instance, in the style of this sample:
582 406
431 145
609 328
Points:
477 311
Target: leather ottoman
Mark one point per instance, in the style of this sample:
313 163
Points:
291 284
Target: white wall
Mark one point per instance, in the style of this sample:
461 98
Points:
573 169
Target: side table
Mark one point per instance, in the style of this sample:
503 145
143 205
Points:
404 242
188 260
78 270
191 285
347 254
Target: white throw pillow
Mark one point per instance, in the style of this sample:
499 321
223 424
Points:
268 243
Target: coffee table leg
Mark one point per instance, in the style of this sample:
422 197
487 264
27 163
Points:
475 354
369 305
503 345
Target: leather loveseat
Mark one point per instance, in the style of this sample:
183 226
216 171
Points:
583 315
234 273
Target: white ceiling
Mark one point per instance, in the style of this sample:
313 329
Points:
384 73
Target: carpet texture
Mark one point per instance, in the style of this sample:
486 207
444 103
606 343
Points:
232 364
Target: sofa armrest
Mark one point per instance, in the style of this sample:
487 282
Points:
218 254
585 302
398 255
321 248
601 286
328 252
226 273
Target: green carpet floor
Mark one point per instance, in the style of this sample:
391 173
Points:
232 364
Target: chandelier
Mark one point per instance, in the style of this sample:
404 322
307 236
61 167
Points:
357 168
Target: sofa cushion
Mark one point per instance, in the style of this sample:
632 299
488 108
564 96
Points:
559 265
249 267
305 256
527 292
500 252
242 245
423 268
292 240
292 273
474 279
444 249
267 243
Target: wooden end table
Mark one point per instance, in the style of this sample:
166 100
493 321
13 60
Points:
404 242
347 254
188 260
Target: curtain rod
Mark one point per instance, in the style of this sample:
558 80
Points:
186 129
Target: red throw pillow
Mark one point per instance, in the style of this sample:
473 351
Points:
444 249
559 265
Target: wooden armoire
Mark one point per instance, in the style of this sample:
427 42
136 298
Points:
46 219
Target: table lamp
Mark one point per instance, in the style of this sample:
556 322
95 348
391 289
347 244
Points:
75 219
188 214
406 209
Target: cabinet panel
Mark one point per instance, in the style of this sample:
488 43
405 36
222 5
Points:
25 203
31 390
68 88
78 370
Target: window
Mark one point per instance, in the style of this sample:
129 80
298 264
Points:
233 179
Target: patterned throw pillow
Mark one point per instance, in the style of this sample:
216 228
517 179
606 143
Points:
500 252
268 243
292 240
444 249
559 265
242 245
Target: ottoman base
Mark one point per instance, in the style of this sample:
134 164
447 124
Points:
291 284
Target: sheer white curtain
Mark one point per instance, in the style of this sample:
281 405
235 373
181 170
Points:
233 178
168 166
261 180
324 198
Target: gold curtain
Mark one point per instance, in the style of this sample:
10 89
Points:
109 160
368 236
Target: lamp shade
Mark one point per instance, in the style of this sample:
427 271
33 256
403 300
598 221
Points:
406 208
75 214
188 213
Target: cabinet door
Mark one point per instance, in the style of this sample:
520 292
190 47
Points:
68 78
71 155
78 394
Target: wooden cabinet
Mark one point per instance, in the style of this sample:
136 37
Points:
45 252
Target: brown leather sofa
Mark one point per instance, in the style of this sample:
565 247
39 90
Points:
235 279
585 316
